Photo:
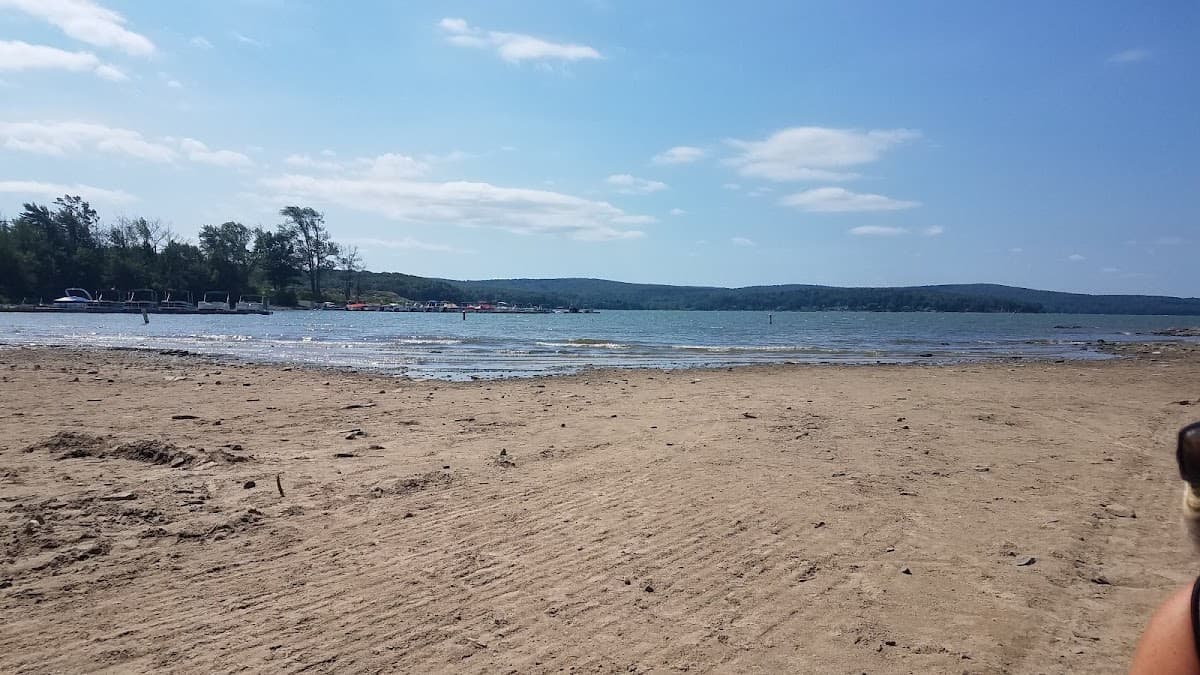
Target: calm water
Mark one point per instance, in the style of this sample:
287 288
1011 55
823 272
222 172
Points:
445 346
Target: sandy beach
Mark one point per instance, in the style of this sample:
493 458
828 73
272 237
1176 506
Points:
168 512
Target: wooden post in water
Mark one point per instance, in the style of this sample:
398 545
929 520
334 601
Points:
145 317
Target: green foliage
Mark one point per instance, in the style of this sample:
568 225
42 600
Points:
316 251
276 257
45 250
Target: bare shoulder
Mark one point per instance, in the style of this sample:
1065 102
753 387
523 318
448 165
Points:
1167 645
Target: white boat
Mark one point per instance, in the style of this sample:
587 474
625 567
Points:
251 303
76 300
214 301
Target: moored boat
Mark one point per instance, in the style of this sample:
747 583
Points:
214 301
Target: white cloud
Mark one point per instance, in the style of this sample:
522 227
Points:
199 152
934 231
1075 257
111 73
814 153
462 203
731 186
87 22
1111 270
387 165
306 162
1130 56
18 56
513 47
48 190
632 185
1016 251
61 138
759 192
404 243
878 231
1168 241
742 241
201 42
678 212
392 165
680 154
841 200
245 39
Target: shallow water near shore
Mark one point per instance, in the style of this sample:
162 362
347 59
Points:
444 346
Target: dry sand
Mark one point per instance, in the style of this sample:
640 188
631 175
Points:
818 519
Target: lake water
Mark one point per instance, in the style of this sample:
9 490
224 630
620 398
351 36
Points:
497 345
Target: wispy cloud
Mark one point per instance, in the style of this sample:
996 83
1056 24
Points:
245 39
49 190
814 153
174 84
199 152
680 154
841 200
1136 55
513 47
1110 270
1075 257
307 162
61 139
87 22
1016 250
894 231
468 204
632 185
19 56
731 186
678 212
404 244
201 42
878 231
742 241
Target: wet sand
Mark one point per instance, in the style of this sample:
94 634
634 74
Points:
1017 517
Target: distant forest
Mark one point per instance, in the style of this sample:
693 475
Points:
47 249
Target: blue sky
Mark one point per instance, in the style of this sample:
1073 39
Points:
1051 145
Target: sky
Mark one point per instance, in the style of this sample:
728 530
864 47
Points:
1041 144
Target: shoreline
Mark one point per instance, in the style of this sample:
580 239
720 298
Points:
778 519
1102 352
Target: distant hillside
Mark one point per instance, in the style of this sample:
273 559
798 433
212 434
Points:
603 294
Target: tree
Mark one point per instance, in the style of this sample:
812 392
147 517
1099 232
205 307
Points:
351 264
226 250
316 250
276 257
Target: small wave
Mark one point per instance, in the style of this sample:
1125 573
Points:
740 349
429 341
575 344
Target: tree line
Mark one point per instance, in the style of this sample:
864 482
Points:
47 249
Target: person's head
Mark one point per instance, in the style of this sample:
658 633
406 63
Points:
1188 456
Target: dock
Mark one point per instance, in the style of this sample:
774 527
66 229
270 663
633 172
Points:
48 309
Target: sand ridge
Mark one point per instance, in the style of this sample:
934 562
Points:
975 518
